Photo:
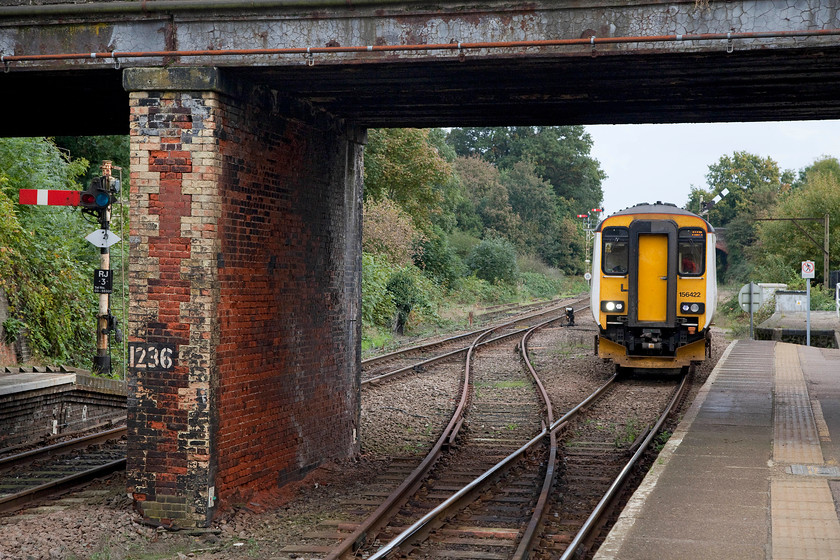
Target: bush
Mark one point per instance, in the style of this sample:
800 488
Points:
405 295
463 243
541 286
377 302
494 260
437 260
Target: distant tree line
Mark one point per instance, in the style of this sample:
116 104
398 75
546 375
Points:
756 215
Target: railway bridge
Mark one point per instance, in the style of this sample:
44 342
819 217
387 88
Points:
247 121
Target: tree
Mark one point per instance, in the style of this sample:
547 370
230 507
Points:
388 231
402 165
494 260
781 245
482 185
45 265
754 185
544 217
560 155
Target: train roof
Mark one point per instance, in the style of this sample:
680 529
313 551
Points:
657 208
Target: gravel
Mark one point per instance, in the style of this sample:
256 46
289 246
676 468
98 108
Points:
99 523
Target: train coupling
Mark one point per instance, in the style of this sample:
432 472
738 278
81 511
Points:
650 340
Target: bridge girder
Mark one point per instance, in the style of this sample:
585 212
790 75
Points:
765 74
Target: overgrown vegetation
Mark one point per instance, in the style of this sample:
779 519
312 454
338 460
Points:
46 269
487 215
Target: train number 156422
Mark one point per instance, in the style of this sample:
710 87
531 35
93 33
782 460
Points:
151 356
689 294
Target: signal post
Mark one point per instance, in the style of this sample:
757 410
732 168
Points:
95 201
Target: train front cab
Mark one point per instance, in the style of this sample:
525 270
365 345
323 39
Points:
654 289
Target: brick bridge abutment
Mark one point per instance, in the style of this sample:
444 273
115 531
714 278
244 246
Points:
246 257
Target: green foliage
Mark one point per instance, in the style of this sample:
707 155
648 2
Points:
540 286
482 186
45 266
377 302
463 243
782 245
560 154
472 290
494 260
95 150
436 258
822 299
402 165
405 294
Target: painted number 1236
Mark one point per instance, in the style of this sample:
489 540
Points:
159 357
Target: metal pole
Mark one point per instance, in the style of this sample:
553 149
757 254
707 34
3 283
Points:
826 272
808 312
752 337
102 360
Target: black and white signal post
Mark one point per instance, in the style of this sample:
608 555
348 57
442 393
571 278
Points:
95 201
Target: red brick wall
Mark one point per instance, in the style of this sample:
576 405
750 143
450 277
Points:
246 255
288 394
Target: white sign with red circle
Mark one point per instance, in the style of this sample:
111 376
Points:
807 269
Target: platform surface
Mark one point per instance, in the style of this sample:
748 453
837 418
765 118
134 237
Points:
820 321
752 470
11 383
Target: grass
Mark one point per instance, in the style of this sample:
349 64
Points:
627 434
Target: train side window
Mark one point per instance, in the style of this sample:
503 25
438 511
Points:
692 251
615 252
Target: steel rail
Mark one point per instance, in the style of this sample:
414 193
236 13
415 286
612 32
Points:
420 347
619 480
395 500
458 47
470 488
453 353
444 507
20 499
525 543
60 447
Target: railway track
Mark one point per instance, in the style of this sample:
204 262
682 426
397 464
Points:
32 476
420 357
504 412
497 493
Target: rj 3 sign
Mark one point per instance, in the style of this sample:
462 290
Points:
151 357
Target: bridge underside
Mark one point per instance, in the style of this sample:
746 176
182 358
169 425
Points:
597 88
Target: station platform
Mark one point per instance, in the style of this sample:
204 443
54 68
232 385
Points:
752 471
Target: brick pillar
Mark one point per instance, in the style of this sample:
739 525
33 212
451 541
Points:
246 258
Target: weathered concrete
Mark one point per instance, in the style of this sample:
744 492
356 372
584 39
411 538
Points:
770 77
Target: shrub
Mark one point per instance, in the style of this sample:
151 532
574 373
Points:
541 286
377 302
405 295
437 260
494 260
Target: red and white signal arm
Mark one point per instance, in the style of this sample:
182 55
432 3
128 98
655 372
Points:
808 269
49 197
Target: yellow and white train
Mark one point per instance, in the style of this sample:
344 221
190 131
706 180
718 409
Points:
654 287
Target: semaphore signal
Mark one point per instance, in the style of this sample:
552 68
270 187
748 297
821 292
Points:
95 201
49 197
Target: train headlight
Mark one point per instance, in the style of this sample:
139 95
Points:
612 306
691 308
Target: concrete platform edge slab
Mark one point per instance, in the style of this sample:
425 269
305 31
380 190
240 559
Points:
611 546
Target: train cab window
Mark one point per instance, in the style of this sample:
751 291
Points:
615 252
692 250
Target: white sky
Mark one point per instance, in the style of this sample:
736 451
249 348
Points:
646 163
